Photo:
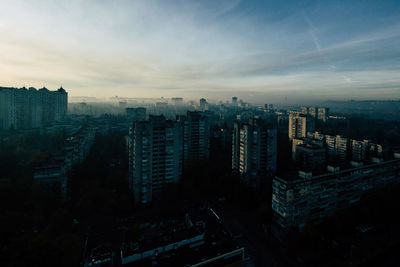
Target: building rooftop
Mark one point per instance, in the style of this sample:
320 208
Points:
293 176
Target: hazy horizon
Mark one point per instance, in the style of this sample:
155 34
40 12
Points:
260 52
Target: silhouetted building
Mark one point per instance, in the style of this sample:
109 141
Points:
295 143
155 156
36 108
25 109
196 136
269 108
8 114
310 157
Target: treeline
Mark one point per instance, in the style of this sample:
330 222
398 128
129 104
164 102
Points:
36 227
385 132
20 152
363 235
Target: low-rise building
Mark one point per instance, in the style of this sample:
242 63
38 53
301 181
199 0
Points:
53 174
297 200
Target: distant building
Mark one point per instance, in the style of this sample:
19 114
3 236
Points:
135 114
375 150
83 108
25 109
299 125
323 114
268 108
234 101
177 101
298 200
316 112
359 150
337 147
304 110
155 157
313 112
203 105
254 147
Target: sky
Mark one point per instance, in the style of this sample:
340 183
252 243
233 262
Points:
258 50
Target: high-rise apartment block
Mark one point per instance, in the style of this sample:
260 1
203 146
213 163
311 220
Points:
155 157
337 147
359 150
254 147
8 114
364 150
196 136
304 110
268 108
135 114
25 109
299 125
323 114
313 112
316 112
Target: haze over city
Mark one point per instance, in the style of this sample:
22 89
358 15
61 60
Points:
257 50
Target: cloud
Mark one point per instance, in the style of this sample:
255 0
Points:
149 48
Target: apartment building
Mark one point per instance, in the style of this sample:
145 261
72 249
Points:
299 199
155 158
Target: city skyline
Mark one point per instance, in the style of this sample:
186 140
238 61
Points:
258 51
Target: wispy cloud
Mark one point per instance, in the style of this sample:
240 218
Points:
312 30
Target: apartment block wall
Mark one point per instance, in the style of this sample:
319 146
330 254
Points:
155 156
297 201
